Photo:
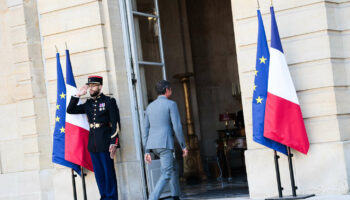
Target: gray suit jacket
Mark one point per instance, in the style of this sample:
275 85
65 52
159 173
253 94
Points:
162 118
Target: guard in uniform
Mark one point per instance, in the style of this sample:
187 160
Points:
103 116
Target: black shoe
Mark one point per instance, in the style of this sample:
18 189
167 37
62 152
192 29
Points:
176 198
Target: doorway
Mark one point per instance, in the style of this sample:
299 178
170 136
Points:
171 37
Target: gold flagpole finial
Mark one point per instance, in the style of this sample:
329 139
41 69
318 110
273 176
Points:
66 45
271 3
56 49
258 4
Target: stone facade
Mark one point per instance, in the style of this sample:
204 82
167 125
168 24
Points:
315 37
26 141
316 40
92 31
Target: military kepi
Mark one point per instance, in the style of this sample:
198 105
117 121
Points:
95 79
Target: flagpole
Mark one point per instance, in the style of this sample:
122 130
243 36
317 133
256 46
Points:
294 188
277 46
280 188
83 182
291 172
74 186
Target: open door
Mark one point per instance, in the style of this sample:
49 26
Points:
148 67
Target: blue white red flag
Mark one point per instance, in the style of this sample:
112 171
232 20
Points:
77 126
260 90
59 135
283 118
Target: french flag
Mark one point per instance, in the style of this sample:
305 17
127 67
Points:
283 118
77 127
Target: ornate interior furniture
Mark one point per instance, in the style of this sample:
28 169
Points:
230 139
226 117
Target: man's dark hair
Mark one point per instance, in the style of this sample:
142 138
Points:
161 86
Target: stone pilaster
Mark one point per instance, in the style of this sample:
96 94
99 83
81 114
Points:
318 59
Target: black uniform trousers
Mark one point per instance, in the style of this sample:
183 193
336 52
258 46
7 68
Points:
105 175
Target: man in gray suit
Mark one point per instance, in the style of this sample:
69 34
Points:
162 118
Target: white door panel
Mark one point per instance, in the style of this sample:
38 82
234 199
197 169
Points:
147 61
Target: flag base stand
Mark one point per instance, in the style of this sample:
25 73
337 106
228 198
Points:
291 173
292 197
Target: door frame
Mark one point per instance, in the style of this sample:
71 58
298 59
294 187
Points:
133 96
134 82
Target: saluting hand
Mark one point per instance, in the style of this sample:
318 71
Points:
83 90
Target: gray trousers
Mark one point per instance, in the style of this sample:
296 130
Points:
169 174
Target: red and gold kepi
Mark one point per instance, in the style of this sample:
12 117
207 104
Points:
94 80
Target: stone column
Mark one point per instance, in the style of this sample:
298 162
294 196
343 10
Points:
317 51
27 152
93 31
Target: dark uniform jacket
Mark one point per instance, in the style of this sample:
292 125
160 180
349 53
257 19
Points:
104 120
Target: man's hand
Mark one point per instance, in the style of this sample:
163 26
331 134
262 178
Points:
184 152
148 158
83 90
112 150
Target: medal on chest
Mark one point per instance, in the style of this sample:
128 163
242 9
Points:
102 106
